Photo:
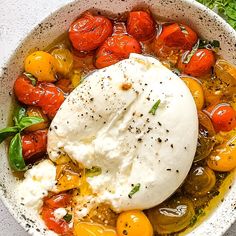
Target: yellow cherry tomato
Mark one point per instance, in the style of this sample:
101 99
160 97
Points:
89 229
224 157
64 60
133 223
196 91
42 65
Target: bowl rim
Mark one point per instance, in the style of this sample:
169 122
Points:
11 54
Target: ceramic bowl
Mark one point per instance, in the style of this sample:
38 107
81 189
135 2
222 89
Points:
204 21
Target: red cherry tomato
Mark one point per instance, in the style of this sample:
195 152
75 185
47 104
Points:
223 117
34 143
89 32
200 63
45 95
178 36
116 48
57 201
140 25
58 226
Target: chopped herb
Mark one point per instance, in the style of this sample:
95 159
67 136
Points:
94 171
187 56
199 213
67 218
211 45
155 106
31 77
134 190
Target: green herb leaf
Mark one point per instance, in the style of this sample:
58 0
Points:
187 57
154 107
183 29
94 171
19 112
67 218
7 132
27 121
16 159
31 77
134 190
211 45
199 212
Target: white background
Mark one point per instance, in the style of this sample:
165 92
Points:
15 21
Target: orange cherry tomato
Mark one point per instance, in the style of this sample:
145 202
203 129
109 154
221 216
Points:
223 117
178 35
60 226
89 32
116 48
200 63
57 201
140 25
45 95
34 143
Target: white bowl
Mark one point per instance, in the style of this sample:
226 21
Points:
204 21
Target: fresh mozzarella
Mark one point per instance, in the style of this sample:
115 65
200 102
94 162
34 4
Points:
40 179
59 213
106 122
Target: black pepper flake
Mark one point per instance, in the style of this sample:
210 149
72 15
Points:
125 232
55 127
139 140
159 140
172 146
167 131
91 99
159 123
168 169
177 171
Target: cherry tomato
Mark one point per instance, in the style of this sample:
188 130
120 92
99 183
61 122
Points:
178 36
140 25
58 226
223 117
133 223
34 143
89 32
42 65
116 48
200 63
58 201
45 95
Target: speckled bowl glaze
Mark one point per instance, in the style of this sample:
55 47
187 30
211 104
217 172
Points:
204 21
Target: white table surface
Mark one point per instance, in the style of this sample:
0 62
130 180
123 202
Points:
14 23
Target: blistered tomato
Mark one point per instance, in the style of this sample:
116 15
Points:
223 117
134 223
89 32
116 48
178 36
57 201
42 65
200 63
140 25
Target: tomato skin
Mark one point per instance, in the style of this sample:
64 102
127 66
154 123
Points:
200 64
140 25
223 117
57 201
116 48
45 95
89 32
34 143
173 36
58 226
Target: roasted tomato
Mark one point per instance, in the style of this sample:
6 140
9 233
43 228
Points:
140 25
178 36
34 143
200 63
57 201
45 95
116 48
223 117
89 32
60 226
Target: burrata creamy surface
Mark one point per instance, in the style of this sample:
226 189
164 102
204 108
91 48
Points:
137 122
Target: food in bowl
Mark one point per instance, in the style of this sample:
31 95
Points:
123 109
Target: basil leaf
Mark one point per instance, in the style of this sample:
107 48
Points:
19 112
211 45
31 78
155 106
134 190
67 218
94 171
16 159
7 132
27 121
